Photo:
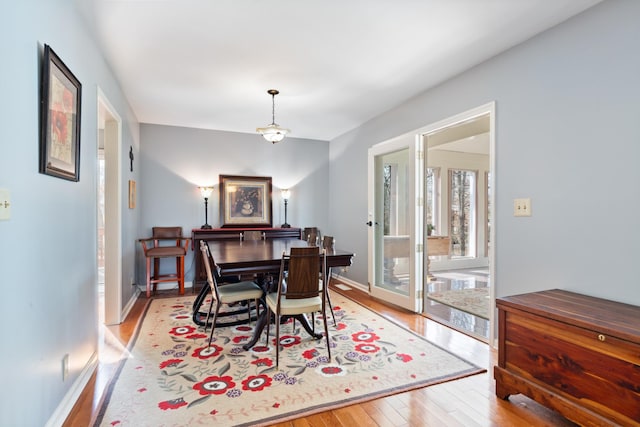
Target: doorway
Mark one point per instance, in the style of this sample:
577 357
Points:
395 226
109 208
459 162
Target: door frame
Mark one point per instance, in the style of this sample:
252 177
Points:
111 123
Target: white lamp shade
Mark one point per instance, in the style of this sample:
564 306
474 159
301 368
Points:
273 133
206 191
286 194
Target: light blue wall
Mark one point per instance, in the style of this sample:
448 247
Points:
567 136
174 161
48 247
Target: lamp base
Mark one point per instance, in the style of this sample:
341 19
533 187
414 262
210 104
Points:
206 227
285 225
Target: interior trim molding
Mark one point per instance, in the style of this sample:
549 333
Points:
66 404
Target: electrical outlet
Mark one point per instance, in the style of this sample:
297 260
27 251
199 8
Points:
522 207
65 367
5 204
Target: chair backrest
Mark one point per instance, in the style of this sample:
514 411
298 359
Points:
310 234
304 267
166 232
327 243
210 267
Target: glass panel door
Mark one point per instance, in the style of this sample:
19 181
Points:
395 271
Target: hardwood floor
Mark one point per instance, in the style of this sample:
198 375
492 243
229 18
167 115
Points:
468 401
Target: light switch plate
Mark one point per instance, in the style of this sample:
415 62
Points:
5 204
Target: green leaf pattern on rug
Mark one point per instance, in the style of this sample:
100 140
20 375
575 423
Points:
226 385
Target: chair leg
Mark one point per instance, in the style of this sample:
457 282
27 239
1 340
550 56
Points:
326 334
277 339
208 314
331 309
148 277
213 325
180 270
329 298
156 273
268 324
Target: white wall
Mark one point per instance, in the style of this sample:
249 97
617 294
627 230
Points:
175 161
567 114
48 247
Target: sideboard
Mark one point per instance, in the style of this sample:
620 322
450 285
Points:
198 234
573 353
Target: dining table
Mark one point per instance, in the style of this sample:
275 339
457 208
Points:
263 258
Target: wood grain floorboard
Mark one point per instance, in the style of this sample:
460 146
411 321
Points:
466 402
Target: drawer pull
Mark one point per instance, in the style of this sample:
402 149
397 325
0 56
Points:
601 337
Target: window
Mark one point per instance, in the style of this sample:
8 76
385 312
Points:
462 213
433 198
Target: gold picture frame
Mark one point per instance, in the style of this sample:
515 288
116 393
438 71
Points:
245 201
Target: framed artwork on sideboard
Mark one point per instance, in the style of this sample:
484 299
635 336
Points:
245 201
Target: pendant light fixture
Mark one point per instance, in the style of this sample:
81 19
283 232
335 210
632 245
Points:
273 132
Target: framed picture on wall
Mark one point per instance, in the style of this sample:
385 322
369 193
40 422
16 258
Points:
245 201
132 194
60 101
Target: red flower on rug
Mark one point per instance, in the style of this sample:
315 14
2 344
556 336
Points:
256 382
310 354
182 330
214 385
171 363
172 404
288 340
263 362
258 349
331 371
364 337
341 326
240 339
196 336
367 348
207 352
404 357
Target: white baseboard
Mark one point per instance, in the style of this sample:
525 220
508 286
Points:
127 308
350 282
63 410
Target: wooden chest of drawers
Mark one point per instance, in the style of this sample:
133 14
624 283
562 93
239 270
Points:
576 354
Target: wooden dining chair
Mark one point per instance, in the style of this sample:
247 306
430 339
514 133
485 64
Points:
311 235
228 293
165 242
303 292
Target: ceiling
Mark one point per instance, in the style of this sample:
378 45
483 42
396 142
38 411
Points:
209 63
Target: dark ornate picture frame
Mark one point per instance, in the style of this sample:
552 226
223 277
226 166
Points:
245 201
60 101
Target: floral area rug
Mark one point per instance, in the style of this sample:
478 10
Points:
169 377
471 300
